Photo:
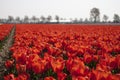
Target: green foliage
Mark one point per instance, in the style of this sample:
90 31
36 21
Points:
43 52
34 76
42 75
115 71
92 64
12 70
114 53
65 57
69 77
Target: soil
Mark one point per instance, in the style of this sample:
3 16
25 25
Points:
4 53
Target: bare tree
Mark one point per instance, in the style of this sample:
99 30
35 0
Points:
94 14
17 19
37 20
10 19
49 18
57 18
105 18
42 19
0 20
81 20
91 19
86 20
26 19
116 18
34 19
75 20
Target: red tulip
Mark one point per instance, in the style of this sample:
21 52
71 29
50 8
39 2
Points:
9 77
9 64
49 78
23 76
21 68
38 67
57 64
61 76
87 58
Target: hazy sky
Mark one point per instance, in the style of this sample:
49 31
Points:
63 8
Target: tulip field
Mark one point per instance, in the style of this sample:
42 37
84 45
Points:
63 52
4 32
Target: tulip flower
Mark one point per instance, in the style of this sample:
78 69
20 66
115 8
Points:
9 77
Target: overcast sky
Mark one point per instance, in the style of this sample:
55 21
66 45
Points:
63 8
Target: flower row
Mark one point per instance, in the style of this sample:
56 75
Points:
4 32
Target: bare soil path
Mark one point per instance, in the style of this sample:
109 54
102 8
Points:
4 53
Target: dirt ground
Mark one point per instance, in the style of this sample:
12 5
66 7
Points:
4 53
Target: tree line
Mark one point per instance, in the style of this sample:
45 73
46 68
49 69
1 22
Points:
94 18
